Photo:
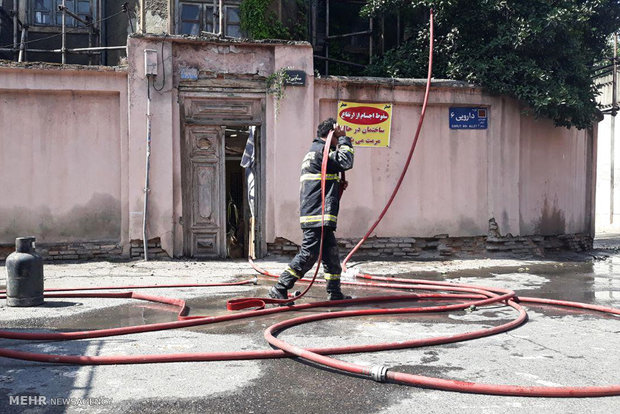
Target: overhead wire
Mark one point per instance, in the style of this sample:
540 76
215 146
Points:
69 31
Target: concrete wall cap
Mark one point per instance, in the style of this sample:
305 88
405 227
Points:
394 82
10 66
207 38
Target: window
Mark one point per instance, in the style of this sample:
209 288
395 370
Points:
202 16
233 23
46 13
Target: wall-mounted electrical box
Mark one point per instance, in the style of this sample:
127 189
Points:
150 62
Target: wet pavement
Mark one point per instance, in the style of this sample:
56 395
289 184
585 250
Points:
556 347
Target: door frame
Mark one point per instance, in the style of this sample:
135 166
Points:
208 109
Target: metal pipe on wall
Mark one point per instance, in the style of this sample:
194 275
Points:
142 17
221 18
15 29
614 111
103 32
327 38
22 45
314 11
64 34
90 43
148 167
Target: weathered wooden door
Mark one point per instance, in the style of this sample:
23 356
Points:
204 223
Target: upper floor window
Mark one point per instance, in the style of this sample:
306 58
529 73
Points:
46 13
202 16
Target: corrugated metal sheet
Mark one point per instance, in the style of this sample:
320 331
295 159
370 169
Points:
605 85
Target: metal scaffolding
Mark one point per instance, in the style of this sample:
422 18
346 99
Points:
20 43
329 37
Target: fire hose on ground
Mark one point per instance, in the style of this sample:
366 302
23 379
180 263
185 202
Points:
464 296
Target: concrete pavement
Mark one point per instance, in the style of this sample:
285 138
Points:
556 347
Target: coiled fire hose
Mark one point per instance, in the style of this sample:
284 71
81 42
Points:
465 296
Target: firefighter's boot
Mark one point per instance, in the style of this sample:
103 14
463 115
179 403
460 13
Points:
284 283
334 292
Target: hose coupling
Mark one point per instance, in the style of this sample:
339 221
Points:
379 373
255 281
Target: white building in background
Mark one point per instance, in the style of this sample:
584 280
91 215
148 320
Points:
608 161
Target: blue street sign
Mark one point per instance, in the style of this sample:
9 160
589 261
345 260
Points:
189 74
469 118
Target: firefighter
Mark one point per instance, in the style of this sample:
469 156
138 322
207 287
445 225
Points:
340 159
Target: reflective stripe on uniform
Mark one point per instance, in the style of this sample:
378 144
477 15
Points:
292 272
314 219
348 148
306 177
331 276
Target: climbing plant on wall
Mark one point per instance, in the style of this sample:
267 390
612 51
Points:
259 22
276 84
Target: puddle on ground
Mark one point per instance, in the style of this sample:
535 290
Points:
573 281
581 282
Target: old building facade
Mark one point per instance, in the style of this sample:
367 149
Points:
74 176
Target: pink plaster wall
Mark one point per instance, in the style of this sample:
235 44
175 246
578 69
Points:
164 133
293 131
553 185
73 146
526 174
61 162
445 188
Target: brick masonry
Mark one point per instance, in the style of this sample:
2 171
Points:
439 246
444 246
90 250
154 249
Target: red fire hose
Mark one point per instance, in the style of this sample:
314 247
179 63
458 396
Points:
411 150
466 297
478 296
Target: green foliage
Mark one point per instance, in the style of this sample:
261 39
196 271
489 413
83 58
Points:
539 51
276 86
258 22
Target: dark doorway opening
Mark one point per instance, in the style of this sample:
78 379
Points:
239 235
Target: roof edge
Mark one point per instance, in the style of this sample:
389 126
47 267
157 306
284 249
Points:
210 38
394 82
9 64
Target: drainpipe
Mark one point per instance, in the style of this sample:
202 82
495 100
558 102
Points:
148 167
150 71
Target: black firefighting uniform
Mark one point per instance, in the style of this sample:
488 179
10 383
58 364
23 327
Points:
340 159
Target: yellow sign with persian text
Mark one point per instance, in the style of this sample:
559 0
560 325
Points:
367 124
